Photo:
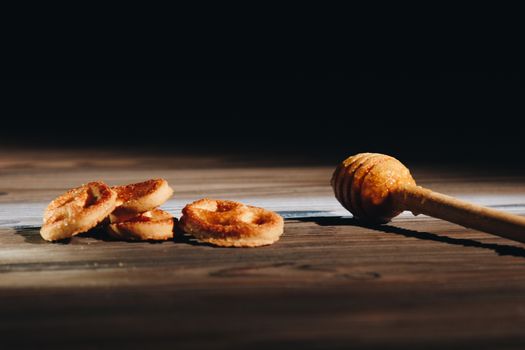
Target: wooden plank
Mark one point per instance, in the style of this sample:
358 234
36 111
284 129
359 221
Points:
330 282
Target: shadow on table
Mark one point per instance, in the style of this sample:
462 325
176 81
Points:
501 249
182 237
31 234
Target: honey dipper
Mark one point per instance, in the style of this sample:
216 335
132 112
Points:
375 188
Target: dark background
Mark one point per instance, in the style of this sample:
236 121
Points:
308 81
466 117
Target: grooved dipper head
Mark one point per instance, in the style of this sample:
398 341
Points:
363 184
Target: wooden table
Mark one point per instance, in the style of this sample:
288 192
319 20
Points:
330 282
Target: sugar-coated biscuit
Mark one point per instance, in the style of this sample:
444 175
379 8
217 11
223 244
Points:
231 224
77 211
143 196
152 225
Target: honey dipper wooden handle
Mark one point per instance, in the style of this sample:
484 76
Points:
420 200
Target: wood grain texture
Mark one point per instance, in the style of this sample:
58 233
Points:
330 282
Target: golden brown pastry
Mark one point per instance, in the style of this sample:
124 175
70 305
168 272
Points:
152 225
143 196
231 224
77 211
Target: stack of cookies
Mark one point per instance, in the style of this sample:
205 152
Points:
127 212
136 216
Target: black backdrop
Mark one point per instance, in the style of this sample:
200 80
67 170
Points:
466 117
